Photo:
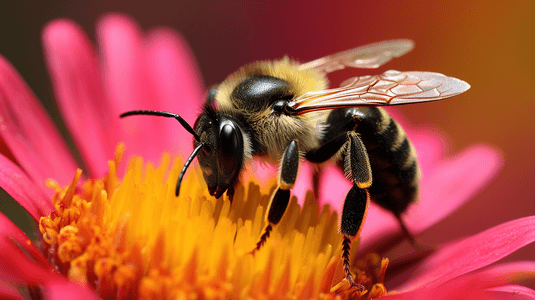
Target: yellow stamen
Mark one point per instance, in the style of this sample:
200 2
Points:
132 237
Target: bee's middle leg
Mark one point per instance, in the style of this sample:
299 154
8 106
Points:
281 197
317 175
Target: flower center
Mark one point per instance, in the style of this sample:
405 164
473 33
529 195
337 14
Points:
132 238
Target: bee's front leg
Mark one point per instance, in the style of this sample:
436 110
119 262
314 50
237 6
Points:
357 169
279 201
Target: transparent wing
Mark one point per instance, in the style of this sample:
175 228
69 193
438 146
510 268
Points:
369 56
390 88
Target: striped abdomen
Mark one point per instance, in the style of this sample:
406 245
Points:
392 157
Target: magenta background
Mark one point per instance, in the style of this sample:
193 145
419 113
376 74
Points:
488 44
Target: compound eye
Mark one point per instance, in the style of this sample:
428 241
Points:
230 149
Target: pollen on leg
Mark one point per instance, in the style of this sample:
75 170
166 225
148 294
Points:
129 236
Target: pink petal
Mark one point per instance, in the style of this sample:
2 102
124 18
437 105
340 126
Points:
16 267
514 271
429 145
264 172
334 187
511 292
461 257
129 86
68 290
303 183
477 285
459 291
21 261
177 84
464 288
16 183
454 181
77 85
9 292
449 185
29 133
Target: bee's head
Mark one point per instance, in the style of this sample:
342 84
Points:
219 145
222 154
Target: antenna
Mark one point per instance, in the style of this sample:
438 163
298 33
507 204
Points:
185 167
163 114
184 124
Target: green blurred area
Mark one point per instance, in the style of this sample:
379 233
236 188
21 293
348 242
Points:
19 216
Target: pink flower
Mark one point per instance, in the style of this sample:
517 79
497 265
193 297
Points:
156 71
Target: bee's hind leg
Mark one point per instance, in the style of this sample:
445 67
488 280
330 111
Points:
419 247
281 197
406 233
353 216
357 168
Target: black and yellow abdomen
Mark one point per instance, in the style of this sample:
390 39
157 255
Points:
395 170
394 167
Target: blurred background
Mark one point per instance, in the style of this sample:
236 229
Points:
488 44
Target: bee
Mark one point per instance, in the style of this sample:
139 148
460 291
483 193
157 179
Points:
284 112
